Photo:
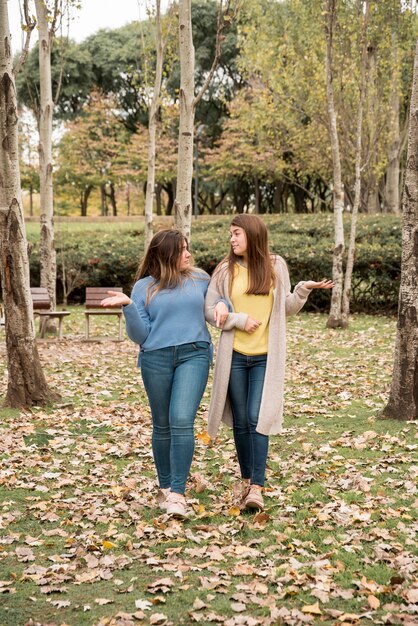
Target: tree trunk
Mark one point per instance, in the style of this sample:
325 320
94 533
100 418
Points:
170 188
278 197
128 198
372 200
31 200
188 103
257 195
183 203
393 168
158 199
103 200
112 198
48 261
152 128
363 10
403 396
334 319
26 382
85 194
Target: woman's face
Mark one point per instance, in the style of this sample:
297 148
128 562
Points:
238 240
184 259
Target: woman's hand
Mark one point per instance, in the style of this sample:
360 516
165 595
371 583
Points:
323 284
220 314
116 299
251 325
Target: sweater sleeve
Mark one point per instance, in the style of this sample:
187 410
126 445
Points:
215 295
136 317
296 299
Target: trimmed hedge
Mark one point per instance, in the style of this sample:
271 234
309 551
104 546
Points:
110 257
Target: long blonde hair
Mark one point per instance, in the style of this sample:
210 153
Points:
161 261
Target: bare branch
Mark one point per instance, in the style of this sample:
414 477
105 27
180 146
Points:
57 11
28 27
231 10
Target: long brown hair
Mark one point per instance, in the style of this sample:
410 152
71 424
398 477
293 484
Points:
161 261
260 267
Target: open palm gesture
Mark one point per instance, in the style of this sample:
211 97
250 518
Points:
115 299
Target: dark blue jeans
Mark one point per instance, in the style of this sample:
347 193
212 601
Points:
175 379
245 390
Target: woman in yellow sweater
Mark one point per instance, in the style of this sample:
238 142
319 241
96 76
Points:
248 384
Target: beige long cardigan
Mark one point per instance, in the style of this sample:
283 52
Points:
284 303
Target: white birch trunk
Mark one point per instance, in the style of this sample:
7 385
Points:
403 396
334 319
357 185
46 107
152 128
26 382
393 168
188 103
183 203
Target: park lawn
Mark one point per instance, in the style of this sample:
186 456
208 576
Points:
82 541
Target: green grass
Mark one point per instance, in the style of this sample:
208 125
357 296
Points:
77 484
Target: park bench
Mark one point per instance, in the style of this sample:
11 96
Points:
94 295
41 308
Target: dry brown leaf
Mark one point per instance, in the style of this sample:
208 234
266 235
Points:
374 602
238 607
312 609
158 618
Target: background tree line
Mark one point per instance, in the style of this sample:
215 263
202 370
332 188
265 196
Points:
261 128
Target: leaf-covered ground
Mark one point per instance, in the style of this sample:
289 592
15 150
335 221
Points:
82 541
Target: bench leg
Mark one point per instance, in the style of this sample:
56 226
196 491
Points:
60 321
43 323
120 327
87 328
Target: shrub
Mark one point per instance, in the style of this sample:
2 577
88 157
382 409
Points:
110 258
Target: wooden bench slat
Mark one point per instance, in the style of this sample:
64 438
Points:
40 298
94 296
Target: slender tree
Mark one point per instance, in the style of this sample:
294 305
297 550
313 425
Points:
47 21
26 382
363 7
188 104
393 168
334 319
403 396
152 126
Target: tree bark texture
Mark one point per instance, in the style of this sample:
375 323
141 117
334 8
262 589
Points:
335 315
152 127
393 168
26 382
363 10
403 396
48 264
183 203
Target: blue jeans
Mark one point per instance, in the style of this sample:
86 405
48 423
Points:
245 390
175 379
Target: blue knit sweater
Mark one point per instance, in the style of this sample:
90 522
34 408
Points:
172 317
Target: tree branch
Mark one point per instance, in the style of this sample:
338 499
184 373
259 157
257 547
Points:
231 10
29 26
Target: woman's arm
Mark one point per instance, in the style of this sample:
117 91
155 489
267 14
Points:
136 317
295 300
213 297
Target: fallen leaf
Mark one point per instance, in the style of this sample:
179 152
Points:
312 609
374 602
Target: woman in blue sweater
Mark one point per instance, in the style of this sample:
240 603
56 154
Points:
165 316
